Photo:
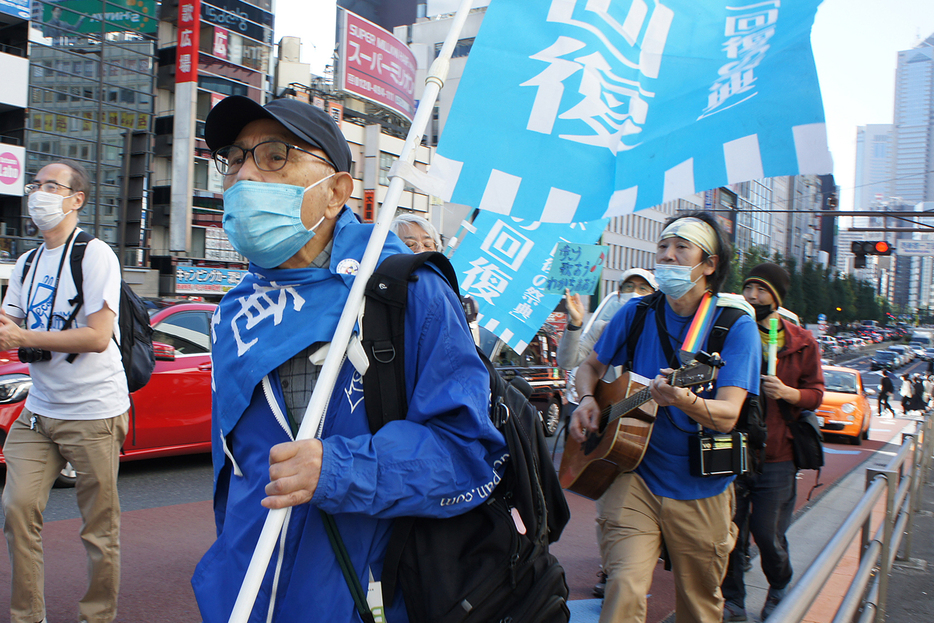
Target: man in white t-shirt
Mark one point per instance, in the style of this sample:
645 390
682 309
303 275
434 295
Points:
76 411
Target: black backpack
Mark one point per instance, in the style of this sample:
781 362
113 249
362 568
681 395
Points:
135 330
474 567
752 415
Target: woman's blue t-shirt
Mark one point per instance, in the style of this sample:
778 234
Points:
665 467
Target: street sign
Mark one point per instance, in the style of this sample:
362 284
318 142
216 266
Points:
915 247
822 318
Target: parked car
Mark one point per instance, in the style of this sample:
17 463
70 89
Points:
845 409
172 414
538 365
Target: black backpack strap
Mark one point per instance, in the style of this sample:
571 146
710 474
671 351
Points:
721 326
384 333
77 273
638 322
29 259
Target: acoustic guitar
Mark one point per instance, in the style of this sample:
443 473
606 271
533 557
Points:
627 415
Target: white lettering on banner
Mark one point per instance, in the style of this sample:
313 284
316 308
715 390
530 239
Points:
184 37
259 306
747 35
532 295
613 106
188 12
485 280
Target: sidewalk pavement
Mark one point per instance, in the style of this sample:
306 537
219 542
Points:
911 588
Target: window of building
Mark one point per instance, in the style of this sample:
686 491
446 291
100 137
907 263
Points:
385 163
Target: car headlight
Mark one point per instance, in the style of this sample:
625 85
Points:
14 387
848 408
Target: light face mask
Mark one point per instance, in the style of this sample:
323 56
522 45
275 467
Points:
45 209
675 280
264 221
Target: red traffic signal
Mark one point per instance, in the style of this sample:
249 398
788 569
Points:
873 247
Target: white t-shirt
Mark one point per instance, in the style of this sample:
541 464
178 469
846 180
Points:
93 386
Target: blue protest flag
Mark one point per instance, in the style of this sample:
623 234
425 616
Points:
503 263
597 108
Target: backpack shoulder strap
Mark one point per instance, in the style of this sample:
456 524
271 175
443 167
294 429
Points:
30 257
384 390
78 249
721 326
638 322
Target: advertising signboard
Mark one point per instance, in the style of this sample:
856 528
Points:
239 17
16 8
66 18
921 248
199 280
375 65
12 169
189 31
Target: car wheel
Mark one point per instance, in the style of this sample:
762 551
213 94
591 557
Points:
67 479
857 440
551 418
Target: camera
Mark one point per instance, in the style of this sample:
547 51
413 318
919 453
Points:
718 455
33 355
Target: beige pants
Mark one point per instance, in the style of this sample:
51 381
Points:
35 454
699 534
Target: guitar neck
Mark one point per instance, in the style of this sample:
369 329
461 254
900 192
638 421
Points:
627 404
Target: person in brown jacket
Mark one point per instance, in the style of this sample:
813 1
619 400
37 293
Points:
767 500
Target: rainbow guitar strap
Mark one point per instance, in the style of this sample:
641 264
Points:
700 327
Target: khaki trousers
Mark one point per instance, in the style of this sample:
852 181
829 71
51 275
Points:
632 523
35 453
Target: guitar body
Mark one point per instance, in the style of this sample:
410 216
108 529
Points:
589 469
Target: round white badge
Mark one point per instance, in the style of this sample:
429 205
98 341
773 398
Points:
348 267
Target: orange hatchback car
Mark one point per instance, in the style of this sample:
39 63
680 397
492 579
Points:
845 409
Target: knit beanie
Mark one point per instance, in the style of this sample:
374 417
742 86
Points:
773 277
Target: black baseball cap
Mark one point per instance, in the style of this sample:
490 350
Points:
309 123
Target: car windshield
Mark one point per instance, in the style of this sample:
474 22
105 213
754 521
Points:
844 382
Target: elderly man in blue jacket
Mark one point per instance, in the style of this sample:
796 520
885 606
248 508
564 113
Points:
286 181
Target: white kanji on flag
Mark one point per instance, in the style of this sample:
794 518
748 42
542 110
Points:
485 280
612 107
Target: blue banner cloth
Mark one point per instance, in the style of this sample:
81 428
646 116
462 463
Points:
576 110
503 264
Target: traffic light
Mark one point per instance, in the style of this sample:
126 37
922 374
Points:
862 248
871 247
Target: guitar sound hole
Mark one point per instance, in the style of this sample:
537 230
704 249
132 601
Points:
592 442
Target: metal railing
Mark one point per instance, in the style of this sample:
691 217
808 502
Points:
900 483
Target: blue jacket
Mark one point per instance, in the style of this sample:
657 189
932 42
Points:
434 463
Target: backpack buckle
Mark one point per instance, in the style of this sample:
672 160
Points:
385 353
499 413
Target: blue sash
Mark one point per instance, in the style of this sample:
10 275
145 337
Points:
272 314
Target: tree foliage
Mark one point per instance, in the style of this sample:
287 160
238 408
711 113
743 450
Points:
815 290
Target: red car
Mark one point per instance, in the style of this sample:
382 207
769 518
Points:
172 414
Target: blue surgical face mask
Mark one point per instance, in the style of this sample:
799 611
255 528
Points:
675 280
263 221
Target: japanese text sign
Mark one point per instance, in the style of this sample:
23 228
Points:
574 110
504 263
576 267
198 280
189 30
376 66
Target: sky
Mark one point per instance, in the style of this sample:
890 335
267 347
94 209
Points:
855 45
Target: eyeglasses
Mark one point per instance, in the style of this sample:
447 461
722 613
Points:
418 246
268 156
49 187
638 288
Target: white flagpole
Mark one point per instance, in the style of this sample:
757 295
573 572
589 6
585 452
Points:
342 334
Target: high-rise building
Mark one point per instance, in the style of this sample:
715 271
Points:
873 179
14 67
912 170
